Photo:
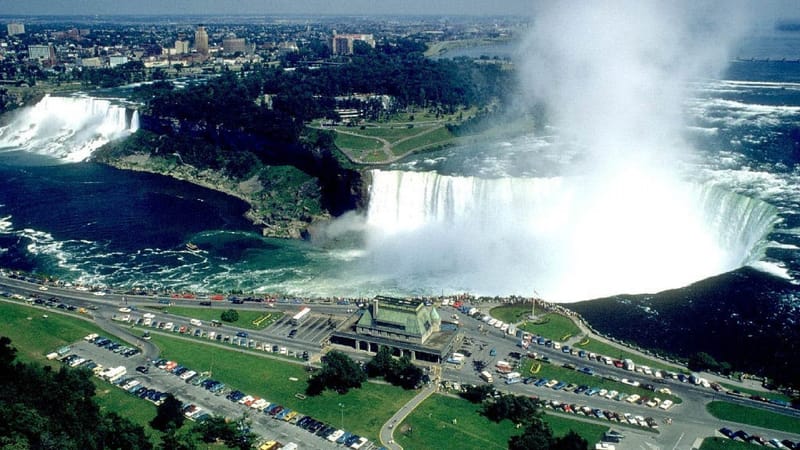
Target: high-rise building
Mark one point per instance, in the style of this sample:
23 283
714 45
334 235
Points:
201 40
45 54
181 47
233 45
15 28
342 44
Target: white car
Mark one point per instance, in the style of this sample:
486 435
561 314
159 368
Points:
666 404
99 293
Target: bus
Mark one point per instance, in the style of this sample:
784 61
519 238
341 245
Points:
301 316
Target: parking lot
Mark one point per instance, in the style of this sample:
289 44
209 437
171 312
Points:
197 394
314 329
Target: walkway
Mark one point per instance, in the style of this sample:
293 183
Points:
387 430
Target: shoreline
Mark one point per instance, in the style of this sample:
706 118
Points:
209 179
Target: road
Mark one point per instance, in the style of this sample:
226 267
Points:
387 430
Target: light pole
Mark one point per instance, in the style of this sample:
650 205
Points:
341 408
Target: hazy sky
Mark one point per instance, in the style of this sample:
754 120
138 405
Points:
182 7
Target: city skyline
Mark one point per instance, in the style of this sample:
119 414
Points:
316 7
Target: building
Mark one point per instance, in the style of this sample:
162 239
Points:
45 54
201 40
408 326
181 47
15 28
342 44
233 45
117 60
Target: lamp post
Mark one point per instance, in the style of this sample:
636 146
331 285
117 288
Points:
341 408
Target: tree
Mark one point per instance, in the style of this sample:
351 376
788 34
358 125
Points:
704 361
179 439
537 436
338 373
230 315
477 394
516 408
571 441
216 428
169 414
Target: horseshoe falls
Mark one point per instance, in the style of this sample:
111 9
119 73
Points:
565 238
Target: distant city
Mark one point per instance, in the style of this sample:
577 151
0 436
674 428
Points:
35 48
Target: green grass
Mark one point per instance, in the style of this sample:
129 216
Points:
390 133
559 373
552 326
356 143
35 337
511 313
246 316
432 424
271 379
771 395
437 137
753 416
602 348
718 443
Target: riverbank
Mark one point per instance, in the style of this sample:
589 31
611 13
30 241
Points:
261 200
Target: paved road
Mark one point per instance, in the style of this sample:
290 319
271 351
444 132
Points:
387 430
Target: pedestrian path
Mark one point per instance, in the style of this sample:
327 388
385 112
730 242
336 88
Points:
387 430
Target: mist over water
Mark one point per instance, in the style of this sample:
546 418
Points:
613 77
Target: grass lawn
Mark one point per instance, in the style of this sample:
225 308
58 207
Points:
433 422
772 395
272 379
511 313
253 320
601 348
552 326
753 416
356 143
390 133
35 337
428 139
718 443
550 371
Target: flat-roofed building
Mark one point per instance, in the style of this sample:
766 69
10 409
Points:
342 44
45 54
201 40
234 45
15 28
181 47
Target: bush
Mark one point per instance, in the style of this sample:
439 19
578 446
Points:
230 315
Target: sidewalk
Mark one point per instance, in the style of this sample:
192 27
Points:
387 430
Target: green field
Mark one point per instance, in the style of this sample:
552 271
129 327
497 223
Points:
552 326
512 313
753 416
441 417
246 317
279 381
390 133
550 371
439 136
718 443
357 143
34 336
602 348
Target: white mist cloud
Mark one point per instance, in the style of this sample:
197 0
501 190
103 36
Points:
613 74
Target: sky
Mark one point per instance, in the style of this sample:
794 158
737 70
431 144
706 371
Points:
192 7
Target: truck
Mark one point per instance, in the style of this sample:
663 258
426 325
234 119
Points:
628 365
487 377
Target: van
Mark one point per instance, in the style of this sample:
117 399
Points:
196 323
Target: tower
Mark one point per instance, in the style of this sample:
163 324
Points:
201 40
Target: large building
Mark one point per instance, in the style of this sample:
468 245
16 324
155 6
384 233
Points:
408 326
181 47
342 44
15 28
201 40
45 54
233 45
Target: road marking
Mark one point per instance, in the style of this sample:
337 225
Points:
679 441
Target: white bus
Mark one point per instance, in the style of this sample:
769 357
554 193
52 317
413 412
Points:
301 316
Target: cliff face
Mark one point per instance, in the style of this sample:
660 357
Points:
342 189
289 187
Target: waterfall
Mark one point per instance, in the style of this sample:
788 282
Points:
67 128
134 121
568 238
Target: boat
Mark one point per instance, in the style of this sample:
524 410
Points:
192 247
